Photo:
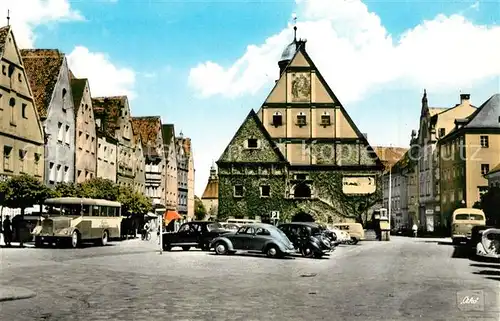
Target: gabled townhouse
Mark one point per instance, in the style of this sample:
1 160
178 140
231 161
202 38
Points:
113 117
168 135
85 136
21 133
149 129
49 78
182 175
191 177
139 166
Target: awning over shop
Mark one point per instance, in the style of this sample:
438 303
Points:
171 216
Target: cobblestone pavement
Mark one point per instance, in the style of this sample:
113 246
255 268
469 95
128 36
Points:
404 279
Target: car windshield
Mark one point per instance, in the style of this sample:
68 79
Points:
476 217
214 226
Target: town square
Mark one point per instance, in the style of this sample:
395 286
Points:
293 160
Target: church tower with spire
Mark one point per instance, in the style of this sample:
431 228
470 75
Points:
210 197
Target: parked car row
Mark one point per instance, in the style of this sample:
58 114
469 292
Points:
309 239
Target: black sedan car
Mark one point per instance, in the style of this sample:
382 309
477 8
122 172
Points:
308 238
257 237
196 234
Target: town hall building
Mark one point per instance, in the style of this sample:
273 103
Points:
297 152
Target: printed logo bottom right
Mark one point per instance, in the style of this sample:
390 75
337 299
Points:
470 300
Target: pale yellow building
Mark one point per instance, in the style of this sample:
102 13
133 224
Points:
467 155
106 154
21 133
494 176
139 166
282 159
86 135
171 183
435 124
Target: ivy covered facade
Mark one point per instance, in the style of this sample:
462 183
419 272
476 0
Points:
299 154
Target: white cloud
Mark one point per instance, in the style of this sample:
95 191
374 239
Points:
356 54
26 15
105 78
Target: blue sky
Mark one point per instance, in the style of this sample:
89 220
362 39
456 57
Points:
161 45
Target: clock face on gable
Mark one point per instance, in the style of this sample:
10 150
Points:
301 87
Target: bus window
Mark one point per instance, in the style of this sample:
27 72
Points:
460 217
476 217
111 211
95 210
85 209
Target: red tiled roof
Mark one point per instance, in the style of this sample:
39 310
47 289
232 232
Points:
42 68
108 110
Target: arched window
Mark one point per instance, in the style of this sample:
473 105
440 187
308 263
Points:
277 119
325 119
301 119
12 104
64 91
302 190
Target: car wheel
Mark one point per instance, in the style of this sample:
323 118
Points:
318 255
307 251
354 241
75 239
186 248
221 248
273 251
38 241
104 238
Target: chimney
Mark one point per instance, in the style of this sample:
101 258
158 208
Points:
464 99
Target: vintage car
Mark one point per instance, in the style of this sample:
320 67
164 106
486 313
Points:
355 231
257 237
489 243
230 226
196 234
308 238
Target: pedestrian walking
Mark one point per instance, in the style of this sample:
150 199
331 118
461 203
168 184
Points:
7 231
415 229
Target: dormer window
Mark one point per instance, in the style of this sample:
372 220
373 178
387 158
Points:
252 143
277 119
64 91
301 119
442 132
325 119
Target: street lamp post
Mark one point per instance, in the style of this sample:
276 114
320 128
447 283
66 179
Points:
390 195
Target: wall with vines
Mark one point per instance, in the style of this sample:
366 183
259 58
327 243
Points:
329 204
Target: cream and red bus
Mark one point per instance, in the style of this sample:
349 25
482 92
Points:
74 220
463 220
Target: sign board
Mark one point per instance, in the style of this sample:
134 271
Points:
275 215
358 185
429 211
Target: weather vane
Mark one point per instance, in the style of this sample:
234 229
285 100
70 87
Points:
294 17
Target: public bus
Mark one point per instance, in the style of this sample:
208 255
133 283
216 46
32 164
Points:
74 220
463 220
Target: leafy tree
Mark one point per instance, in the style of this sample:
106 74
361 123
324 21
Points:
133 202
332 199
25 191
68 190
200 212
100 188
490 203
